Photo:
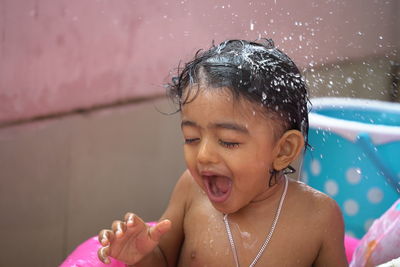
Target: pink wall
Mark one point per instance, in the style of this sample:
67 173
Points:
61 55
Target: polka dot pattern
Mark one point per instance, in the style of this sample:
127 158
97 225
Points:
315 167
359 192
351 207
353 175
331 187
375 195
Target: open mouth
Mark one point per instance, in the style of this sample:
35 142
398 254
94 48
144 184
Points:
218 187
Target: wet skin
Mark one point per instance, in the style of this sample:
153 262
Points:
231 139
307 222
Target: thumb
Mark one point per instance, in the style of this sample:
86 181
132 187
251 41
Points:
159 229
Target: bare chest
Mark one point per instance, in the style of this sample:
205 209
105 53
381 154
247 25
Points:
206 241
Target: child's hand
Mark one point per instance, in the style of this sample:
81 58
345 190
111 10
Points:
131 240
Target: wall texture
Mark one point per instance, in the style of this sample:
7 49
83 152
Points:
62 180
58 56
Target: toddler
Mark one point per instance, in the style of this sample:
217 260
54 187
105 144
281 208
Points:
244 119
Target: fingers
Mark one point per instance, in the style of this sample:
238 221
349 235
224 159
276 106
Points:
132 220
115 239
103 253
119 228
106 237
159 229
129 219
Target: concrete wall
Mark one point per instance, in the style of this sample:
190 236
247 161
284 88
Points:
57 56
81 141
63 180
372 77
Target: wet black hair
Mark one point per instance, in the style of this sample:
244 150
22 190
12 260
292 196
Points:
255 71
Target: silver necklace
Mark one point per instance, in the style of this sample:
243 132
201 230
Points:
261 251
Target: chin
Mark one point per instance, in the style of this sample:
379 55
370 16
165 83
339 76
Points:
224 208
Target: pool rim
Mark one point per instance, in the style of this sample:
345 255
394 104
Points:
379 133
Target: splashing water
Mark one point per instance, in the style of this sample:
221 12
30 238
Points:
264 97
251 26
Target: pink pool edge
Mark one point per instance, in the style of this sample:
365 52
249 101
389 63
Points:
350 244
86 255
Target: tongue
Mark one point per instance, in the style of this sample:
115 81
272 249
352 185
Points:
221 184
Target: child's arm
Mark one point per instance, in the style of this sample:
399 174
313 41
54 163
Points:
180 201
332 252
134 242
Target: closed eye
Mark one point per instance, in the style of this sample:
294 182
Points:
191 140
229 144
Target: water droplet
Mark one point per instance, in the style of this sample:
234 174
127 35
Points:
251 26
349 80
211 243
264 96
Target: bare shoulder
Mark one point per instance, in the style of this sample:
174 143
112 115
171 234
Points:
323 205
187 184
186 180
324 214
183 191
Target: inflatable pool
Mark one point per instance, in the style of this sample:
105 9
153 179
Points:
355 157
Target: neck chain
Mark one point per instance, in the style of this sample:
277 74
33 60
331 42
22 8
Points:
261 251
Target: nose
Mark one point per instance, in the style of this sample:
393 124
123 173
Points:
207 153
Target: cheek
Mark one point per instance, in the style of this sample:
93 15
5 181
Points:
255 158
190 160
264 156
189 155
252 168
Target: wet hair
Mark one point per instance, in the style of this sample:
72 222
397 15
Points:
255 71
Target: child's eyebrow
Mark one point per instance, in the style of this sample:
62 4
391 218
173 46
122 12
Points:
219 125
188 123
231 126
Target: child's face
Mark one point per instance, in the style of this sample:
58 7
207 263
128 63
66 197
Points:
229 148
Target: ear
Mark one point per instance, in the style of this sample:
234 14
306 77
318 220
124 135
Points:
287 149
